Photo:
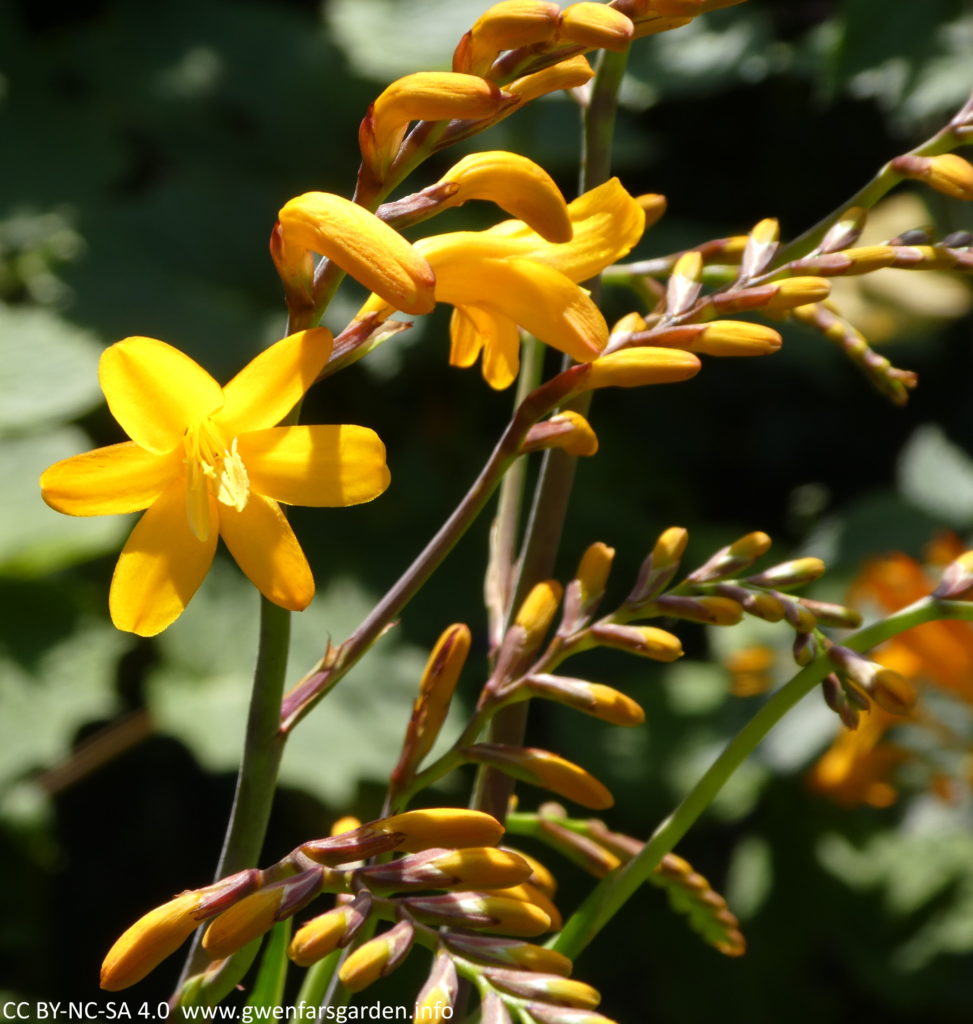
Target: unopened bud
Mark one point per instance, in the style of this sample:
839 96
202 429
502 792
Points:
685 282
887 688
761 246
566 74
540 876
836 697
542 768
510 952
377 957
845 231
806 648
635 367
957 580
596 26
736 338
947 173
505 26
153 937
482 867
592 574
713 611
327 932
436 1000
645 641
484 912
661 566
836 615
735 557
796 573
798 291
567 430
550 988
594 699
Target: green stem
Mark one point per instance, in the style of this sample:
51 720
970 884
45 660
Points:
608 897
263 747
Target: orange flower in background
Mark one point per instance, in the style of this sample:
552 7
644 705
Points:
207 461
860 764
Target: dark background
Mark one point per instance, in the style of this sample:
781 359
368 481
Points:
145 151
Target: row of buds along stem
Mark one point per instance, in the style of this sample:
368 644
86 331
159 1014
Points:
591 845
440 848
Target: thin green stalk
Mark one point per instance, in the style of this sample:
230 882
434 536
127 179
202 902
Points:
542 539
608 897
262 750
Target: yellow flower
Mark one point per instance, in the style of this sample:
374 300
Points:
509 277
206 461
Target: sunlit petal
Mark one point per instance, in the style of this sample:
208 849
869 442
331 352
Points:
537 297
316 466
161 565
466 338
269 386
264 546
155 391
366 247
119 478
473 329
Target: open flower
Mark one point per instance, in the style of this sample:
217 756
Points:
510 276
206 461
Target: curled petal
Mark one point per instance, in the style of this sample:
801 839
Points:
424 96
505 26
538 297
517 185
317 466
119 478
472 330
155 391
264 546
270 385
161 565
566 74
366 247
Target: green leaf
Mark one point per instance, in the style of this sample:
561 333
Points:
34 539
49 370
268 987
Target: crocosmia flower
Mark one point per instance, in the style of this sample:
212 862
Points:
206 461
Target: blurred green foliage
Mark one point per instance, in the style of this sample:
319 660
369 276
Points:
146 148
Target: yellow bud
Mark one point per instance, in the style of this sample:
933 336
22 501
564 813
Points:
550 989
798 291
518 185
566 74
540 875
597 26
485 912
505 26
689 265
631 323
153 937
345 824
535 614
766 231
318 937
483 867
441 826
423 96
567 430
736 338
867 258
243 922
366 247
654 206
534 898
893 692
594 699
750 546
377 957
646 641
592 572
951 175
670 547
633 367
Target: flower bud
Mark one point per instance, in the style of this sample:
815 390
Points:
761 245
796 573
806 648
957 580
592 698
507 25
887 688
567 430
544 769
596 26
736 338
635 367
946 173
645 641
540 876
685 282
527 893
483 912
258 913
510 952
435 1002
592 574
845 231
436 689
713 611
535 614
153 937
480 867
836 615
377 957
548 988
739 555
566 74
661 566
322 935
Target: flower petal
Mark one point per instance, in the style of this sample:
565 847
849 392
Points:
161 565
535 296
106 481
264 546
472 329
155 391
517 185
318 466
607 223
270 385
366 247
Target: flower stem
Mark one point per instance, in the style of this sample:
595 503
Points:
263 747
607 898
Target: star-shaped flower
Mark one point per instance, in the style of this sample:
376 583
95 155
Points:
207 461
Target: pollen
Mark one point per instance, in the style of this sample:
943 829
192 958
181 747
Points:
212 469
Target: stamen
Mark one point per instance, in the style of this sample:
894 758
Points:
234 481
